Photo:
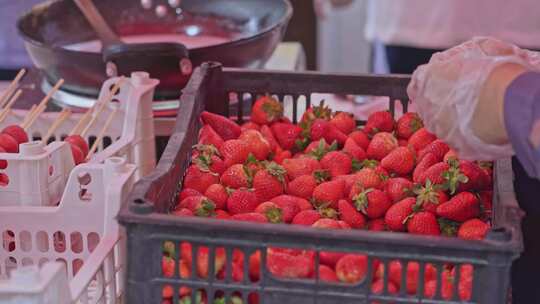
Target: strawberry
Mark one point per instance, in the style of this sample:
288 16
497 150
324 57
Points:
321 129
317 129
270 182
237 176
290 206
381 121
381 145
273 212
354 150
412 275
222 215
223 126
320 149
376 225
423 165
290 263
302 186
199 205
183 212
281 155
447 289
420 139
202 256
399 161
250 217
368 178
234 151
286 134
344 122
297 167
397 214
486 203
242 201
266 110
403 142
217 194
473 229
349 179
210 163
450 155
303 203
352 268
408 124
436 174
429 197
372 202
378 287
321 111
360 138
266 132
462 207
186 192
327 274
328 194
257 144
168 266
423 223
208 136
465 176
398 188
337 163
306 217
199 180
438 148
326 223
350 215
250 126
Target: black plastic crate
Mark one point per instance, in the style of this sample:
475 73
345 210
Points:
149 226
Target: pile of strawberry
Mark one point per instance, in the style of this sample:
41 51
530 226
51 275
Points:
327 173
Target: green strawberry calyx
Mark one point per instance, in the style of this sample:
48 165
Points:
276 171
448 227
426 194
361 201
207 149
321 176
454 177
274 215
273 108
206 208
204 161
327 212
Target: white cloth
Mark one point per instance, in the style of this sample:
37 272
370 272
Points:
440 24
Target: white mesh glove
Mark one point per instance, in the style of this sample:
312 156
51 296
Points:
445 92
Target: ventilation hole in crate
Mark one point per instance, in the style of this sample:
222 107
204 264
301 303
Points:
167 293
63 261
51 139
25 241
394 270
240 267
27 262
107 141
84 178
301 105
168 267
297 263
186 296
8 240
4 180
42 241
93 241
85 195
3 164
11 264
91 140
169 249
59 241
76 265
63 137
51 170
76 242
42 261
115 100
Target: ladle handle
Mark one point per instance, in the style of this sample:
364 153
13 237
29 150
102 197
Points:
100 26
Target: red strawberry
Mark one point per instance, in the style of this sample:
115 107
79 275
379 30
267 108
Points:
320 145
376 225
273 212
344 122
420 139
250 217
199 180
317 129
329 132
320 111
378 287
223 126
266 110
423 223
303 203
326 223
234 151
290 206
462 207
372 202
222 215
438 148
399 161
242 201
302 186
286 134
474 229
379 122
210 163
218 194
337 163
398 188
269 136
408 124
199 205
297 167
249 126
290 263
327 274
281 155
256 143
412 274
329 193
428 197
183 212
423 165
369 178
352 268
237 176
354 150
208 136
447 289
397 214
403 142
436 174
188 192
381 145
168 266
360 138
465 176
486 203
306 217
350 215
450 155
349 180
270 182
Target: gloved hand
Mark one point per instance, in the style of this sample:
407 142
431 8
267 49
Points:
447 90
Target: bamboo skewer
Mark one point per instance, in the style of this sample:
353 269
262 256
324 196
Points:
7 109
42 105
101 134
82 121
59 121
11 87
29 115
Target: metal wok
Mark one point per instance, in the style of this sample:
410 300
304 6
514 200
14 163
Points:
249 31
